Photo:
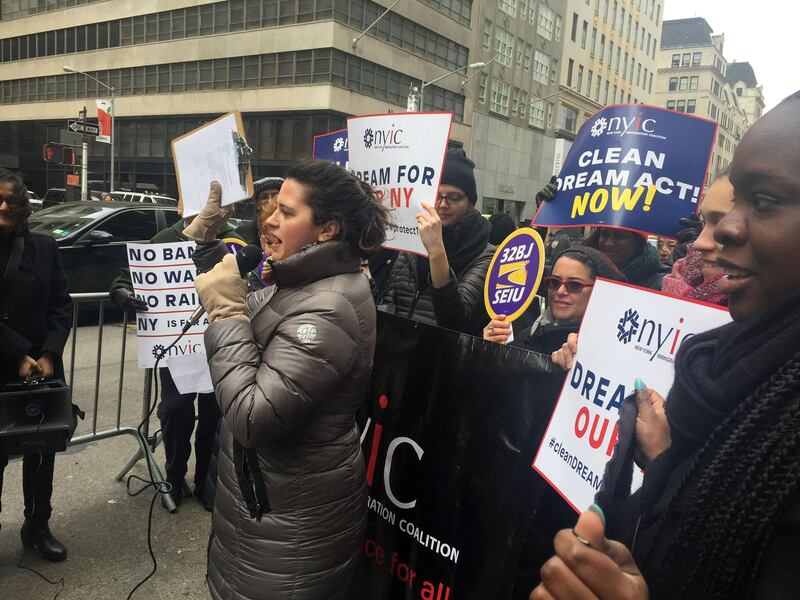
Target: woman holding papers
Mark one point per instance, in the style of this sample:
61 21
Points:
290 367
718 514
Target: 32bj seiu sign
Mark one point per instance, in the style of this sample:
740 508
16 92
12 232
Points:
633 167
448 433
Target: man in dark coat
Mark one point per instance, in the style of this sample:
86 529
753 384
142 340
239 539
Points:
35 321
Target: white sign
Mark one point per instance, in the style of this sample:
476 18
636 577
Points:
627 333
401 155
190 373
163 276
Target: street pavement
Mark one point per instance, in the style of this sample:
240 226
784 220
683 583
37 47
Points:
105 529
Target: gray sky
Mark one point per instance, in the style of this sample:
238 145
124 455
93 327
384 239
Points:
763 33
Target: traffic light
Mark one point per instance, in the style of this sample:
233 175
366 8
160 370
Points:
61 154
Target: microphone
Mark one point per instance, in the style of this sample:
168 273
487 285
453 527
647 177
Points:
247 259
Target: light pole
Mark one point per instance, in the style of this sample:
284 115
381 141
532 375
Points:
113 115
415 103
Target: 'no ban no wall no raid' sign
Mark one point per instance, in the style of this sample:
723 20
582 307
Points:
514 274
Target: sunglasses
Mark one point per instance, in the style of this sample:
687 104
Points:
450 198
573 287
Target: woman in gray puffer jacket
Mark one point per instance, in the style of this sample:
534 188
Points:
290 367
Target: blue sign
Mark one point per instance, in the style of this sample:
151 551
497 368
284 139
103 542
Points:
333 147
633 167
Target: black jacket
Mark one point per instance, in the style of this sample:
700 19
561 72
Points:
35 309
458 305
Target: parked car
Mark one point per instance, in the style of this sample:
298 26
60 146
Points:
35 201
147 198
92 237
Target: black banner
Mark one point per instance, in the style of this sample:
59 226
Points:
449 434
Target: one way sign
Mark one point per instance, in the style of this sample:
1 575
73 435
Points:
83 127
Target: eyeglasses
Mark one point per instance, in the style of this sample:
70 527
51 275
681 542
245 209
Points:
573 287
450 198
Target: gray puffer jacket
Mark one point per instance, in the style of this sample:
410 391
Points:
290 505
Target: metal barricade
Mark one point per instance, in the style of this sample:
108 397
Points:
145 449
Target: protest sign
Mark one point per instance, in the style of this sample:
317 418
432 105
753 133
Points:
332 147
400 155
163 276
627 333
633 167
450 428
514 274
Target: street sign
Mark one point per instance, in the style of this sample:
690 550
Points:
83 127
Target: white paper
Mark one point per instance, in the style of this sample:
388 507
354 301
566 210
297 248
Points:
190 373
204 156
163 276
401 155
627 333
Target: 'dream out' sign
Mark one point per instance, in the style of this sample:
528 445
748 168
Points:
163 276
633 167
401 156
627 333
333 148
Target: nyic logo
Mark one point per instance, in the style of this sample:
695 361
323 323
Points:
651 337
339 144
384 139
622 126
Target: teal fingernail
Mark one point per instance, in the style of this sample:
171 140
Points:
596 509
639 385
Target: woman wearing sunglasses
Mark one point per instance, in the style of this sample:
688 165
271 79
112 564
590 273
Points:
568 289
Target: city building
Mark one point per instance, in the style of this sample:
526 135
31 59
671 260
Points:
513 133
293 67
691 78
749 95
609 58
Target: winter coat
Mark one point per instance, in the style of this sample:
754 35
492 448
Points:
290 505
35 307
458 305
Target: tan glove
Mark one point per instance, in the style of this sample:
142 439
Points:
205 226
222 290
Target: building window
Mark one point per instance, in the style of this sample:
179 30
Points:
691 106
594 41
569 119
693 82
574 34
545 22
526 61
508 6
518 52
602 47
523 104
680 106
570 66
673 84
584 31
514 101
597 88
558 28
579 83
696 59
605 95
676 60
536 117
487 33
684 84
499 97
715 88
523 9
541 67
589 78
671 104
686 59
482 88
503 45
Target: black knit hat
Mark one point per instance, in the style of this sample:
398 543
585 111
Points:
460 172
502 226
600 263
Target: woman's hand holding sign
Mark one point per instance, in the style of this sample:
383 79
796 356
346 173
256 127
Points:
588 566
497 330
564 355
